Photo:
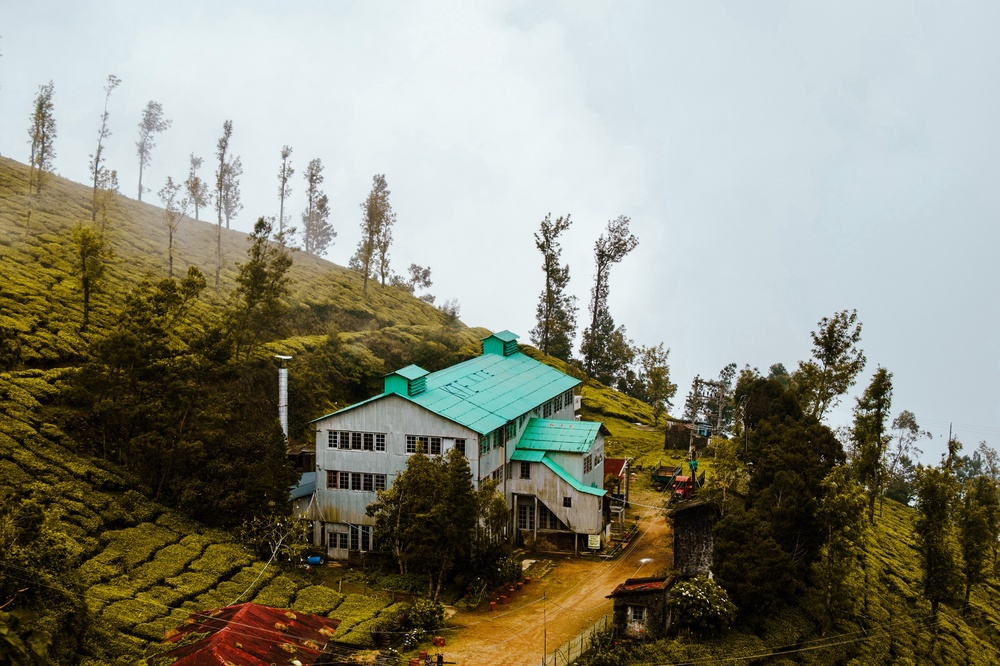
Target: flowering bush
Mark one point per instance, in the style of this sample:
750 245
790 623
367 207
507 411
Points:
701 606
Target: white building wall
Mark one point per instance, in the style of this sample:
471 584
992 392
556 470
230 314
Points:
396 417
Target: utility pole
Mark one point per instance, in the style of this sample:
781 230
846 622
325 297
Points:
693 411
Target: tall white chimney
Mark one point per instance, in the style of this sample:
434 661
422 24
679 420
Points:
283 392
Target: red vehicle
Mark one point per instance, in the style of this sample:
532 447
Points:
682 488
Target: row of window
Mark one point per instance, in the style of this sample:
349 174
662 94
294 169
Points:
555 404
357 537
355 441
363 481
592 461
375 441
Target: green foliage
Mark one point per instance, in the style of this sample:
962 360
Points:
835 365
701 606
870 437
936 494
425 614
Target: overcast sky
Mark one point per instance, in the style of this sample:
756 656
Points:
780 161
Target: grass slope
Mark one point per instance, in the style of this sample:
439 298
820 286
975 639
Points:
40 295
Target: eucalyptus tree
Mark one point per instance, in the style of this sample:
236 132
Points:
42 137
197 188
937 491
377 220
871 437
555 314
231 196
222 153
97 159
609 249
151 124
175 207
317 232
285 174
837 361
89 261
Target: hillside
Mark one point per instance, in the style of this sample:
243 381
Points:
40 296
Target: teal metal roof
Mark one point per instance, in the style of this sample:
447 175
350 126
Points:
568 478
554 435
505 336
487 391
527 456
410 372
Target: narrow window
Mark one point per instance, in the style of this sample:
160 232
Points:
435 446
638 613
366 537
411 444
354 537
587 464
460 445
525 470
345 480
343 537
345 440
380 482
369 439
568 502
484 444
355 480
356 441
511 430
547 409
331 439
368 481
380 441
331 480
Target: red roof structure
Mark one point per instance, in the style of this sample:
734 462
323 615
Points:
642 585
613 466
251 635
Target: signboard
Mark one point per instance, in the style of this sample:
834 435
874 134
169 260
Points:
594 541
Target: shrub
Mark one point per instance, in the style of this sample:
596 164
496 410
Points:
701 606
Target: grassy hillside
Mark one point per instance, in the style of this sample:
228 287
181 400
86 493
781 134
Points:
40 295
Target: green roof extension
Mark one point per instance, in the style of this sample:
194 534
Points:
556 435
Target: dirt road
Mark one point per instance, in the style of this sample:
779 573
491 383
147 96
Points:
567 600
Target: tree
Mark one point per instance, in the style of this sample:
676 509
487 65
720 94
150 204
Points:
231 205
222 153
97 159
899 468
654 379
41 136
151 124
978 530
836 363
839 570
285 174
256 307
429 516
609 249
107 189
718 404
197 188
175 208
377 219
870 436
936 494
317 232
555 315
89 254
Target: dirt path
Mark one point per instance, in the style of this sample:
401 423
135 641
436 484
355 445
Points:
556 608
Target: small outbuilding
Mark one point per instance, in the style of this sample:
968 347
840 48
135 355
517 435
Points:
640 607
